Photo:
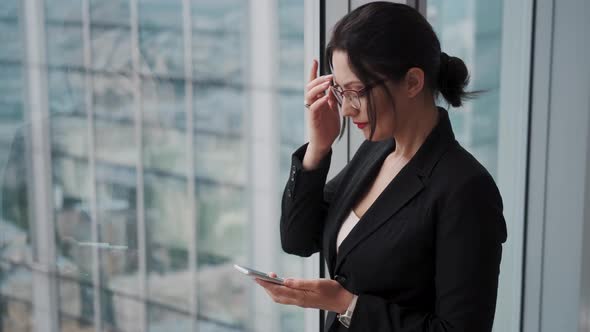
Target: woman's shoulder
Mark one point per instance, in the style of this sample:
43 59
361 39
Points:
458 166
464 191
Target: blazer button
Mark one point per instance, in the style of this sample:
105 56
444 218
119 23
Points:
340 278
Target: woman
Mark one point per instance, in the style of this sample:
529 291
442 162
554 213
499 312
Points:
412 228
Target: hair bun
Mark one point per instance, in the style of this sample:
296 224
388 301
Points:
453 77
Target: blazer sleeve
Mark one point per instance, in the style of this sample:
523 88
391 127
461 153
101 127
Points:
305 203
469 232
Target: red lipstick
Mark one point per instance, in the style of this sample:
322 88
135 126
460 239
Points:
361 125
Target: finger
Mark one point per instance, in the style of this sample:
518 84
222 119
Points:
284 294
319 103
317 92
275 289
289 301
314 70
276 299
303 284
295 283
269 293
290 297
270 289
272 274
320 95
265 284
317 81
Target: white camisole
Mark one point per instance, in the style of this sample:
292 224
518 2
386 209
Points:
346 227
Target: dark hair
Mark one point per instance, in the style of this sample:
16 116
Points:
384 40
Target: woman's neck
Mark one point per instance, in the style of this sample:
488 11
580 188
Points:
413 130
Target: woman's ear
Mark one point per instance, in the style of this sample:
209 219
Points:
414 82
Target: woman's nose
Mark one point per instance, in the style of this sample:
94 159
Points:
348 110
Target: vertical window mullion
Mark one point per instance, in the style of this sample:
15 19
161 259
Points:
89 106
38 149
190 168
138 126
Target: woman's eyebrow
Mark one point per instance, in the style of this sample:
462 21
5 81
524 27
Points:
348 84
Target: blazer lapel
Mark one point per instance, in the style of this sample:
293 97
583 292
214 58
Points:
362 177
397 193
406 185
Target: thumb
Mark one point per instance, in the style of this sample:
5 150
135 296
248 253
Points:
296 283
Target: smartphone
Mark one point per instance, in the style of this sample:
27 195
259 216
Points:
257 274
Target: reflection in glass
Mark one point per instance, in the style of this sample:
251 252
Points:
11 47
119 263
112 96
64 45
472 30
111 48
66 95
111 12
168 236
16 247
122 146
164 131
63 11
219 40
161 37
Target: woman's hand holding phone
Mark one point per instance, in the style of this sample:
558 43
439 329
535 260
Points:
325 294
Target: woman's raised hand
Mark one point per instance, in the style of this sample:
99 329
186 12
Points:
324 118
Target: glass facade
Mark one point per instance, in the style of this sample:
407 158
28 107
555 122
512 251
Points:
145 106
15 241
472 30
134 172
493 125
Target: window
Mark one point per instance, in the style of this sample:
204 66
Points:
149 110
493 38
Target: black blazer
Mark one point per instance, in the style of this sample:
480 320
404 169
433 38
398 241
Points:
425 256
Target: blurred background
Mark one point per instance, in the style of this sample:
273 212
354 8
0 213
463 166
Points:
144 146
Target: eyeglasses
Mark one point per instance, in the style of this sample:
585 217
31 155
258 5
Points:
352 96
